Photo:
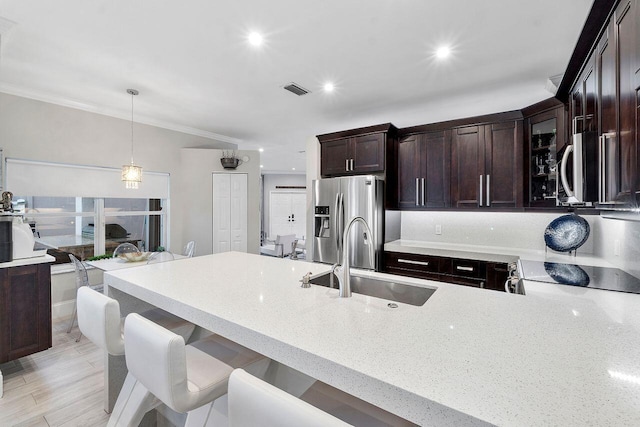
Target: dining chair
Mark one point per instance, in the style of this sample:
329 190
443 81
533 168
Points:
158 257
82 279
124 248
189 249
186 378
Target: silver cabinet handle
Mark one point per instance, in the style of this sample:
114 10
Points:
410 261
602 167
480 189
346 165
417 191
488 190
351 164
423 195
461 268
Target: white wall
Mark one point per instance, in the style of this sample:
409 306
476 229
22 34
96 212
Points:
627 233
269 184
498 229
38 130
196 188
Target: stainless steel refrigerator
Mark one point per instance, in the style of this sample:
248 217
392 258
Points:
335 202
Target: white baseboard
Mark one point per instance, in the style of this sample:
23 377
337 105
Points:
62 310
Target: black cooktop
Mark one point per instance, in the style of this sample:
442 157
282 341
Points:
586 276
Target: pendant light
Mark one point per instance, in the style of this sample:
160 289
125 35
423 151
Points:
132 174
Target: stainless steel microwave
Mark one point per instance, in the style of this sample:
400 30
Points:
578 170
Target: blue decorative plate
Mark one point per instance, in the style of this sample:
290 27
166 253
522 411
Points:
566 233
567 274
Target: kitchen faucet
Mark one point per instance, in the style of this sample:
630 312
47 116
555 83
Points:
343 271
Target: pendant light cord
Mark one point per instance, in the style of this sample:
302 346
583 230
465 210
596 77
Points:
132 95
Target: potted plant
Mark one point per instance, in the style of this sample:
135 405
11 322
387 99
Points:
229 160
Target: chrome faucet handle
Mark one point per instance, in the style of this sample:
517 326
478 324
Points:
305 280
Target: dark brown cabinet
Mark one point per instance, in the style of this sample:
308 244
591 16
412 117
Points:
486 166
603 99
617 65
467 272
356 152
423 162
25 311
545 134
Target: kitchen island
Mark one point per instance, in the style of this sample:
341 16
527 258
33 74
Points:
466 357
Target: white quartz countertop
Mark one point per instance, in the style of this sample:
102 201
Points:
38 258
490 253
466 357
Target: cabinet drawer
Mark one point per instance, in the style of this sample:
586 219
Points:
465 268
412 262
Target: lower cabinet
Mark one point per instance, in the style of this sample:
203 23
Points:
25 310
467 272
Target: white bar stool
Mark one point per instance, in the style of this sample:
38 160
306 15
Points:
186 378
255 403
99 320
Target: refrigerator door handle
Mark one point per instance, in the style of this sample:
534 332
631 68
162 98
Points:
336 221
341 229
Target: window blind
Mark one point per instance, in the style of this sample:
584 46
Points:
35 178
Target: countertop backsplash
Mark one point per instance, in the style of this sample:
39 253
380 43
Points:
499 229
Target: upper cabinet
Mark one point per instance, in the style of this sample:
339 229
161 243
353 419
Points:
357 151
423 165
545 134
486 166
601 86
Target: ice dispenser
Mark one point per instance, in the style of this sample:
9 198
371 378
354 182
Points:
322 222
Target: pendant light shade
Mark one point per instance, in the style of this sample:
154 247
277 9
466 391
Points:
131 173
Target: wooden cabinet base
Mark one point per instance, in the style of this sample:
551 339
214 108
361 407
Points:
474 273
25 310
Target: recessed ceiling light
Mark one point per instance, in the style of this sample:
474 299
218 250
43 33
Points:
328 87
255 38
261 149
443 52
261 166
293 169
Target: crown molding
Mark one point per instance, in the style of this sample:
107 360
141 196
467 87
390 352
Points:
106 111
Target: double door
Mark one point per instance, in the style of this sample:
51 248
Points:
486 166
423 170
229 212
287 213
360 154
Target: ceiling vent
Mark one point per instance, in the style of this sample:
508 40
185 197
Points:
296 88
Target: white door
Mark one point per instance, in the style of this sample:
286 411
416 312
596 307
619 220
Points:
287 213
229 212
299 214
238 212
279 214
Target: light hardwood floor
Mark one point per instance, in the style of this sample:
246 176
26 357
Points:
61 386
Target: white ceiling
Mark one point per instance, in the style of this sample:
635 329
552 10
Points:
196 72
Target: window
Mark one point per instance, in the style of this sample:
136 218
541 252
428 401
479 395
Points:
65 205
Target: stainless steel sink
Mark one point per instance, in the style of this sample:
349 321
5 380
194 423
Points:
399 292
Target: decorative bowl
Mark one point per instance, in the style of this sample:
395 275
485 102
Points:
135 256
566 233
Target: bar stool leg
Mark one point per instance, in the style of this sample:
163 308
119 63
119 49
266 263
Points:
134 401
